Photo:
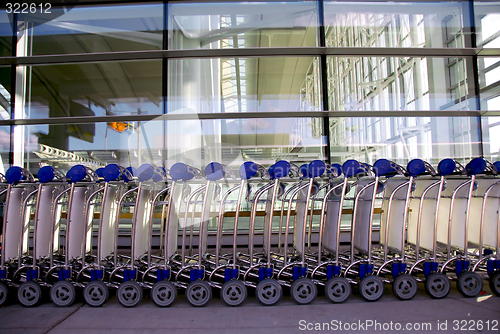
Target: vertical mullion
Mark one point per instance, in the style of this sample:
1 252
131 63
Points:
13 69
324 80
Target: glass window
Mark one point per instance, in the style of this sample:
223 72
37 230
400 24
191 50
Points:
5 35
92 89
243 84
160 142
5 92
487 30
491 134
393 24
96 29
402 139
397 83
223 25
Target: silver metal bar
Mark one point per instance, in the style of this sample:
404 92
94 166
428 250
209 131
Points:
151 217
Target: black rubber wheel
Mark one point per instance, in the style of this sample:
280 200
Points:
234 293
469 284
29 293
405 287
268 292
437 285
495 283
129 293
303 290
4 293
163 293
371 288
338 289
199 293
63 293
96 293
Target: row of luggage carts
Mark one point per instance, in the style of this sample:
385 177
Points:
283 228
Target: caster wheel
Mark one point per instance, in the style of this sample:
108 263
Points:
4 293
96 293
29 293
437 285
268 292
199 293
129 293
371 288
234 293
495 283
63 293
405 287
163 293
303 290
338 289
469 284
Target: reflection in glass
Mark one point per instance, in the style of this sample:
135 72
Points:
163 143
487 30
4 148
489 77
491 135
393 24
242 25
402 139
395 83
94 89
5 35
243 84
5 92
96 29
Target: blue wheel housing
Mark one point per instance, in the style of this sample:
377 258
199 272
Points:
214 171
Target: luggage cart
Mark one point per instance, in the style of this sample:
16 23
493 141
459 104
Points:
366 188
83 182
20 187
233 290
268 290
166 266
337 287
95 270
393 257
198 292
51 183
488 260
302 289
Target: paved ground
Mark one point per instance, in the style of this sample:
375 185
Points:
251 317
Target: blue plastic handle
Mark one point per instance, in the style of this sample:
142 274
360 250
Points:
248 170
350 168
76 173
497 166
335 169
46 174
132 171
214 171
281 169
382 167
304 170
14 174
316 168
159 174
476 166
111 172
416 167
145 172
99 172
446 167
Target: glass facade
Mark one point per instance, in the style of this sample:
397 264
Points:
229 81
